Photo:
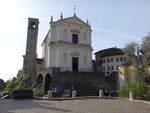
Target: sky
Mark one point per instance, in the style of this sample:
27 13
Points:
114 24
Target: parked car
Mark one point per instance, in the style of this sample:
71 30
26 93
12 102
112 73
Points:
7 96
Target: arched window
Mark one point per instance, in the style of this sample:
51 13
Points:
40 78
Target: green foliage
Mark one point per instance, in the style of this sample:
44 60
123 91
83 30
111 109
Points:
17 83
131 51
136 55
139 90
22 83
38 90
145 49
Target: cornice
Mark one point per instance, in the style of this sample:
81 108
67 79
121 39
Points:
69 44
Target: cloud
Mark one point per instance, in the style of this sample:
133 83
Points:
118 34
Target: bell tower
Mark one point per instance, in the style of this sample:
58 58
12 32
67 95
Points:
31 45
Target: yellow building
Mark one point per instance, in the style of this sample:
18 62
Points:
109 60
114 60
126 74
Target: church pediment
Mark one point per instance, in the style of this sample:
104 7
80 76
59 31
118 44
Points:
75 20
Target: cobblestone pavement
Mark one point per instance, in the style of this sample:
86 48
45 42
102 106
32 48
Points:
73 106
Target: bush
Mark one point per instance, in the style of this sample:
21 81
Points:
147 96
21 83
139 90
38 90
17 83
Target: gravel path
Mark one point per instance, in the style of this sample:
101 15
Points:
73 106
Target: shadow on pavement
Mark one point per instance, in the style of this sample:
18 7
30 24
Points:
12 106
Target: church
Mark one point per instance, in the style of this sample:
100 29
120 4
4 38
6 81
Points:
66 57
67 45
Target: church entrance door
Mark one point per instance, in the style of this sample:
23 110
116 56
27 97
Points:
74 63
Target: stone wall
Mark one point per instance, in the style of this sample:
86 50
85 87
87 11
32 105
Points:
86 83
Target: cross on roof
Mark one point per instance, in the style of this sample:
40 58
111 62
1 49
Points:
74 9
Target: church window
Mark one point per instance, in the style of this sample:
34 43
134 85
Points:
75 38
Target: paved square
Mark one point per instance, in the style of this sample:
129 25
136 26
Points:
73 106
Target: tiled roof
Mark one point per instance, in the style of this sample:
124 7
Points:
110 52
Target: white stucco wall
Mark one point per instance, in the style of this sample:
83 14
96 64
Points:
60 54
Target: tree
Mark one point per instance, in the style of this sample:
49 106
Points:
145 50
131 51
139 56
135 58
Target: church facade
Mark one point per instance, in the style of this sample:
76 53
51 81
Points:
67 45
66 58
